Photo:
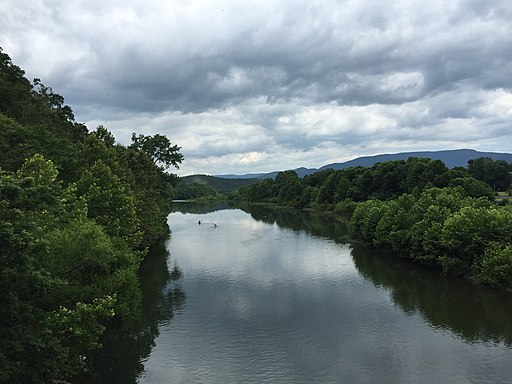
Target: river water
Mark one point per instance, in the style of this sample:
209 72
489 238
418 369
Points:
278 296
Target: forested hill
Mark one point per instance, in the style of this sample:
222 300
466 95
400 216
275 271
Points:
221 185
451 158
77 212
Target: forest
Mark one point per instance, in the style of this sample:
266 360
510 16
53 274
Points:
78 212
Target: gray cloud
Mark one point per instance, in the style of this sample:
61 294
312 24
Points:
229 80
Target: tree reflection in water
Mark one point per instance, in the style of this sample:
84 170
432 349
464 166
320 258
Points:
126 347
299 220
472 312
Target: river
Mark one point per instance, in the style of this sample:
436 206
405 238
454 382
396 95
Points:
266 295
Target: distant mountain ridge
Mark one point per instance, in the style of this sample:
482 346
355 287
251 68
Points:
452 158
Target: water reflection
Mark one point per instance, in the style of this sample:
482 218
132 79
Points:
278 296
472 312
185 207
270 304
121 360
299 220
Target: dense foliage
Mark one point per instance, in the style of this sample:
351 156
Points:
496 173
191 191
219 184
445 228
77 212
382 181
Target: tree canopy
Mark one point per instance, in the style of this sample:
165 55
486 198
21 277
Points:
383 181
77 214
159 149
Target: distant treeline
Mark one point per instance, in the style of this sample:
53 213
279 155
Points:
201 186
382 181
77 213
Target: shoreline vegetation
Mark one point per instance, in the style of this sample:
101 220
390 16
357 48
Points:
78 212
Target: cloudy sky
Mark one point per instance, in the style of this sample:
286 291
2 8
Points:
256 86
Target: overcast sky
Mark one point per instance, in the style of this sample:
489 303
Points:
256 86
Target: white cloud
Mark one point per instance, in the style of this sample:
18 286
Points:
260 86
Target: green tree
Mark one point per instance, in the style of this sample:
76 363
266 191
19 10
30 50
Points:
468 232
43 337
327 190
73 209
387 179
495 267
110 203
473 187
317 179
15 142
496 173
433 207
393 228
289 187
422 173
261 191
93 265
308 196
194 191
365 220
159 149
15 89
342 189
153 191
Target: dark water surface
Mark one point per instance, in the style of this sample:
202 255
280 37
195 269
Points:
276 296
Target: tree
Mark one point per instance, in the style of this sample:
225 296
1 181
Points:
153 191
495 268
92 265
467 233
327 191
43 327
186 191
495 173
105 135
289 187
110 203
15 89
308 196
341 190
365 220
73 208
14 143
261 191
388 179
422 172
159 149
473 187
393 228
